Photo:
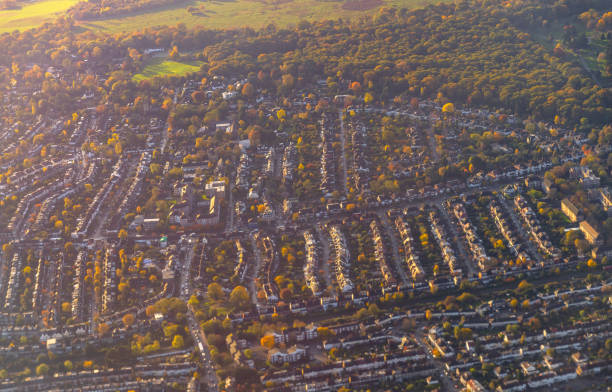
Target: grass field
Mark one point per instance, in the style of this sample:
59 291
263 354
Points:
211 14
33 15
252 13
162 66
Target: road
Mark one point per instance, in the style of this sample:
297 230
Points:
185 273
255 271
431 139
463 254
446 381
343 160
397 260
230 207
325 258
519 228
199 338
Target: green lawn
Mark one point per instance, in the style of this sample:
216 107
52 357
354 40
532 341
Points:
162 66
33 15
241 13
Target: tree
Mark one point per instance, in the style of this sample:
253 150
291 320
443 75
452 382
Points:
103 329
198 96
254 135
178 342
285 294
128 320
215 291
514 303
122 235
324 332
248 90
448 108
368 98
42 369
267 341
333 352
591 263
525 304
170 330
68 365
524 287
239 297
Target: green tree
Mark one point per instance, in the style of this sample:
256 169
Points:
239 297
178 342
42 369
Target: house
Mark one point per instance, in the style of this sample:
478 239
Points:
211 217
225 127
606 200
590 233
292 355
215 188
227 95
547 185
150 223
570 210
585 175
599 253
474 386
579 359
533 182
528 369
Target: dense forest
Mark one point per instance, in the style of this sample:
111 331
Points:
478 53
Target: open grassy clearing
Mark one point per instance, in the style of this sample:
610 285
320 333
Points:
33 14
551 35
163 66
252 13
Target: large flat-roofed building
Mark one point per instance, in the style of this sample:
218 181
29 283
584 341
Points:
590 233
570 210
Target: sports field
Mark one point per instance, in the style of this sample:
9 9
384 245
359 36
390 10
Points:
162 66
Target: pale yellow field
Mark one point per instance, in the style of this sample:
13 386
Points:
33 14
211 14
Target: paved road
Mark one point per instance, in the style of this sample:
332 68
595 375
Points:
419 338
343 143
463 254
210 376
324 264
230 205
519 228
255 271
397 260
431 139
